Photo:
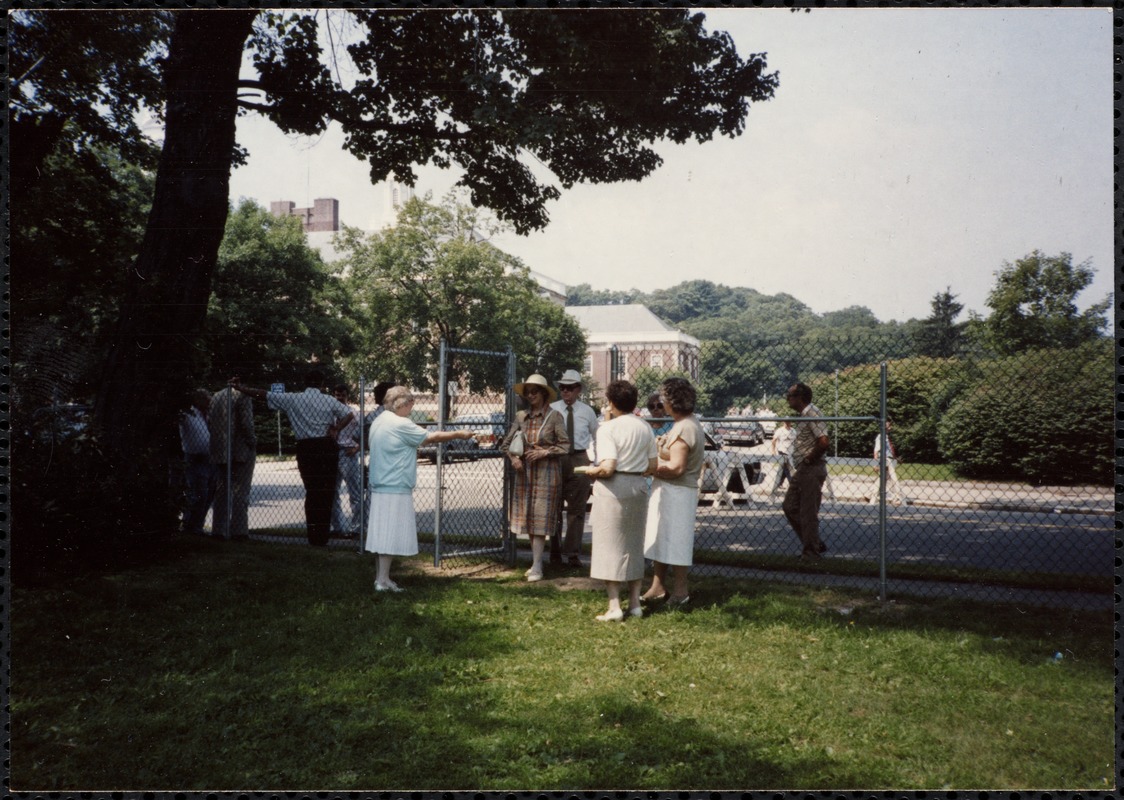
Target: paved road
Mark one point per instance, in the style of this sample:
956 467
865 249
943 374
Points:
973 527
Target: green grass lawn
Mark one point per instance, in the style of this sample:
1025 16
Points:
907 471
258 666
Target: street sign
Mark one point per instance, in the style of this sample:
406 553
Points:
277 387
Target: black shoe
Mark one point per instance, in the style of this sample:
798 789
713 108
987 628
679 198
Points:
823 547
574 561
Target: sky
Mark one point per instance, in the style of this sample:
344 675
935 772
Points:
905 151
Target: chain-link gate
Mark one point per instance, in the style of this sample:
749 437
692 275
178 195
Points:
471 485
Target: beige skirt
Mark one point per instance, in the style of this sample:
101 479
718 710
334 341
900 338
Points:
620 508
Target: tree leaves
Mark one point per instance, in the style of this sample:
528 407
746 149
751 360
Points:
434 277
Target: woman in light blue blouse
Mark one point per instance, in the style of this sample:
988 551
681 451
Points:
394 440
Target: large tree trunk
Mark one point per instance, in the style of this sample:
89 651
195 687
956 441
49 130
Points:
151 361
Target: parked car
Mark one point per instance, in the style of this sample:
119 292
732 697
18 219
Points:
742 432
490 429
719 462
716 463
493 425
464 449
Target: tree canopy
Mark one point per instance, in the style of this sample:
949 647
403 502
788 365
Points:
584 93
434 276
1034 305
275 304
939 335
80 79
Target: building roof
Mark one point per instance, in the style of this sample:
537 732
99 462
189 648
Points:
631 322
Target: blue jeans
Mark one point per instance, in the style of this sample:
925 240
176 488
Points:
349 476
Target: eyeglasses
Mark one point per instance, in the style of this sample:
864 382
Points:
569 387
655 408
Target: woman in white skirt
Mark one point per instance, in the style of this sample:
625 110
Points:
394 440
626 448
669 537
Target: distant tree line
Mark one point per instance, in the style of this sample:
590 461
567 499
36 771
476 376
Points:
1024 393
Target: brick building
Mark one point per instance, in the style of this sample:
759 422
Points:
323 216
629 337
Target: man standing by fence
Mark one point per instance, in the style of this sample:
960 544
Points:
805 489
316 418
783 439
200 477
349 477
893 488
581 427
234 444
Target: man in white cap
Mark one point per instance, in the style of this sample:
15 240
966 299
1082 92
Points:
581 426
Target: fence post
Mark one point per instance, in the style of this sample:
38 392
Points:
441 411
835 426
229 454
363 488
882 483
508 476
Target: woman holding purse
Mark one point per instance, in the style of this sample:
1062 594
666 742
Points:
535 445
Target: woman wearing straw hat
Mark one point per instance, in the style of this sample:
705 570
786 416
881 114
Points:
537 496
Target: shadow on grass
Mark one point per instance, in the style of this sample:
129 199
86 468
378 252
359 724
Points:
1029 636
252 666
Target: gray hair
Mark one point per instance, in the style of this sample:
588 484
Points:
396 397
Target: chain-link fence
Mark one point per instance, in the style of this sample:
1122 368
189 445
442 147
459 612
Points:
998 468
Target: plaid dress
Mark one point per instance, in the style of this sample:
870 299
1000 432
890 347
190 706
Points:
537 495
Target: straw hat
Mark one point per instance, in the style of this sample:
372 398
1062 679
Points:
540 381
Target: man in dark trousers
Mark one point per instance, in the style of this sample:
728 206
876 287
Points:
316 418
581 427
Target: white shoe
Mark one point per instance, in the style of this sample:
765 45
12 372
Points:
636 612
611 616
388 587
533 576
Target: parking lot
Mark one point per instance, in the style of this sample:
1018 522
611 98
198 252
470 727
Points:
956 524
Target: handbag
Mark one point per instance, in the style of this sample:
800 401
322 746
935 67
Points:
516 446
518 443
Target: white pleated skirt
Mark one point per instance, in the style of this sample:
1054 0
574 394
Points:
669 536
392 529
